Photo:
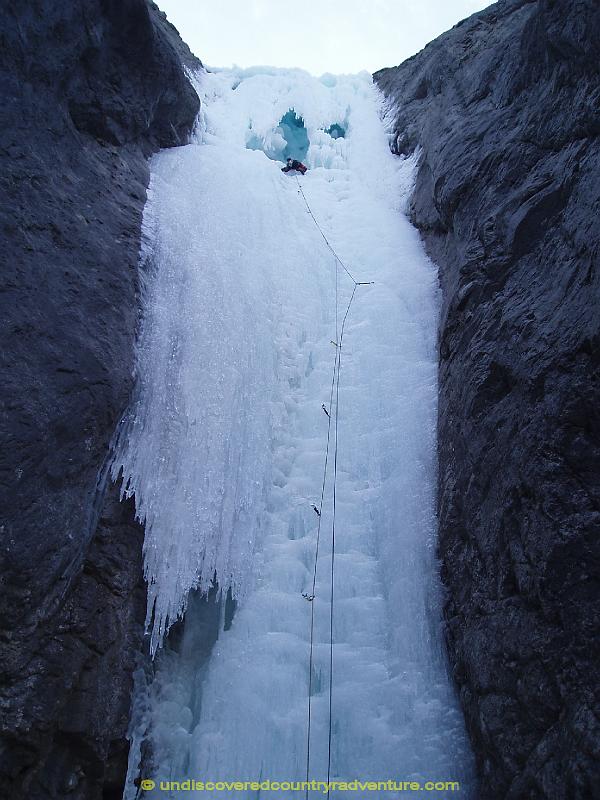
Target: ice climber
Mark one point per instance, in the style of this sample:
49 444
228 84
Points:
293 164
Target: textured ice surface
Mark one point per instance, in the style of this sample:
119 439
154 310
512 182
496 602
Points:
225 444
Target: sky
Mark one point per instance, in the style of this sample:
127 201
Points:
317 35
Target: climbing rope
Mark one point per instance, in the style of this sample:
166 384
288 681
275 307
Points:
318 511
335 462
335 388
337 258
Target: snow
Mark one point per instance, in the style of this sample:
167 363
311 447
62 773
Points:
225 444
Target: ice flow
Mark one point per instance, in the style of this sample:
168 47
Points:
225 444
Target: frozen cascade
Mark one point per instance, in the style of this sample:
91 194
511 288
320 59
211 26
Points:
225 443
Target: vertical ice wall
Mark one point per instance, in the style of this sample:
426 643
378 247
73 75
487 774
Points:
225 444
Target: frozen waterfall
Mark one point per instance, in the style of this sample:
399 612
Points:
225 443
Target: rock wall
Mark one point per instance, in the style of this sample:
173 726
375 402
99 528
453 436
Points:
88 91
505 110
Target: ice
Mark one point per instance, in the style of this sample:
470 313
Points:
225 444
336 131
294 133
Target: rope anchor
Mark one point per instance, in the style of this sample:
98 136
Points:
324 408
316 510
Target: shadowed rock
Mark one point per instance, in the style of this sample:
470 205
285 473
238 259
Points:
88 91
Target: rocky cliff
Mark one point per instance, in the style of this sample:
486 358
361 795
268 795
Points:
504 109
88 91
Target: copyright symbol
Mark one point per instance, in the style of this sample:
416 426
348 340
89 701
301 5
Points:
147 786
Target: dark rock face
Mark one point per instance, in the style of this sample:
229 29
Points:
87 667
88 91
505 109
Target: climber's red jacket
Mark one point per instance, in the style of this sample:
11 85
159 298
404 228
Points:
295 165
